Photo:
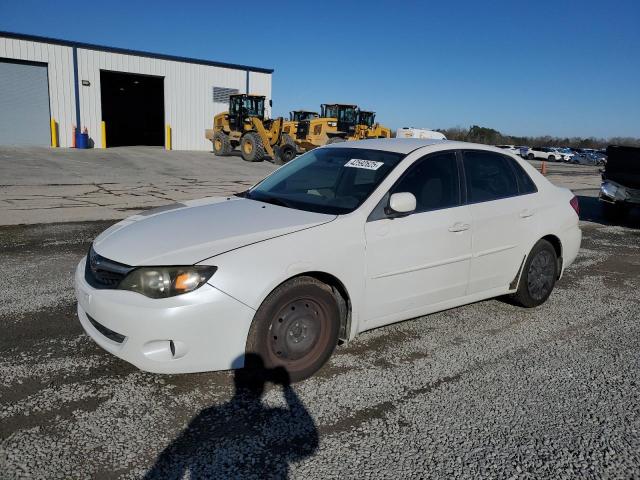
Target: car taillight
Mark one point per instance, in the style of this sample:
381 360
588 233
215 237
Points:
576 206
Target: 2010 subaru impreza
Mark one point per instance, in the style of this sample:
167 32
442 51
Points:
343 239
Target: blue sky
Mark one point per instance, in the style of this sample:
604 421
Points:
525 68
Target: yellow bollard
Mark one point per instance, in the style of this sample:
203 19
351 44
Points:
103 133
168 138
54 133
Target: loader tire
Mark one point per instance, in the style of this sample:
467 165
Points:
284 154
221 144
251 148
335 140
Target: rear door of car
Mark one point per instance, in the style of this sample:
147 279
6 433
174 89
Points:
500 198
422 259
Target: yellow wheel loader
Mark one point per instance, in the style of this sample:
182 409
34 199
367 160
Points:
367 128
336 123
291 125
244 125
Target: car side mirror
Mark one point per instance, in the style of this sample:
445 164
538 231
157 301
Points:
401 205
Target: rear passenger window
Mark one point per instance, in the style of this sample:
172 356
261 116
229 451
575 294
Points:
489 176
525 184
434 181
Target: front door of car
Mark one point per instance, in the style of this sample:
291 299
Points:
422 259
503 217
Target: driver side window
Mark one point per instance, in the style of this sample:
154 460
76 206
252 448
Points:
434 181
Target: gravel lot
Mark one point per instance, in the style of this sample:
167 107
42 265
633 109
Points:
485 390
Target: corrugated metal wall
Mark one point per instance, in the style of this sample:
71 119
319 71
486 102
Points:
188 88
60 69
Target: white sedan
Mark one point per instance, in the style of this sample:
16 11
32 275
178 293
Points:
343 239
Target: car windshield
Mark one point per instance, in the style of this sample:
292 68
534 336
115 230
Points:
327 180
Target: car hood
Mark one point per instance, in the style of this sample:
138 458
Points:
187 233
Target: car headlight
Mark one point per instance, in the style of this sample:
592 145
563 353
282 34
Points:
163 282
609 189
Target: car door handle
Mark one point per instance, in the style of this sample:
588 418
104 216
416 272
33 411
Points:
526 213
459 227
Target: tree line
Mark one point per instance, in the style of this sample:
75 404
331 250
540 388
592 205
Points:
489 136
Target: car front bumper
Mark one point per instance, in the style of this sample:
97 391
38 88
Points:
200 331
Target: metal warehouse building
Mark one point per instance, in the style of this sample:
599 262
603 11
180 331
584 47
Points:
49 85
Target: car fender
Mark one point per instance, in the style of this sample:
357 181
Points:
251 273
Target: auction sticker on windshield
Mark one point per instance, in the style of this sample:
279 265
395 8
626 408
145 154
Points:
367 164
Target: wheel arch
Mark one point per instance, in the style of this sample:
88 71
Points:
556 243
340 293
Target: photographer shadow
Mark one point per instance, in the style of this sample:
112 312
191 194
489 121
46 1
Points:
242 438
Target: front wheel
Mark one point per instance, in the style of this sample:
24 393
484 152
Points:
221 144
251 147
538 277
296 327
530 156
335 140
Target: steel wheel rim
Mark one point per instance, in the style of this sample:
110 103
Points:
298 333
247 147
218 144
540 275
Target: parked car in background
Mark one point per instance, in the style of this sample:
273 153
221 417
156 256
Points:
566 153
588 158
620 188
544 153
329 245
510 148
523 151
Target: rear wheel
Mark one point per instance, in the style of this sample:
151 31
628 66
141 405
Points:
221 144
538 277
335 140
551 158
296 327
530 156
251 147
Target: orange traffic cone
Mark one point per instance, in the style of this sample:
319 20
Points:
543 169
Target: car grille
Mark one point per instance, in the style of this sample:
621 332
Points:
103 273
110 334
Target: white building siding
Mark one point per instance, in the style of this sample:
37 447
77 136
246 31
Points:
260 84
188 88
59 60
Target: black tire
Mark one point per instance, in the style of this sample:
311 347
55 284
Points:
221 144
538 277
335 140
251 147
296 327
530 156
551 158
284 154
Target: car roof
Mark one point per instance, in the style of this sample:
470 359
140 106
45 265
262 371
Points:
407 145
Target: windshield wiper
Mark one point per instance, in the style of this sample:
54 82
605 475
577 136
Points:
272 200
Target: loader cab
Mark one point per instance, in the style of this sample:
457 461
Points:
244 106
366 118
302 115
347 115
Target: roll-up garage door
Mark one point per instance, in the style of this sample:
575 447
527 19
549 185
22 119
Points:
24 104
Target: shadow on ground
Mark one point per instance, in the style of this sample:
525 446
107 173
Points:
242 438
591 210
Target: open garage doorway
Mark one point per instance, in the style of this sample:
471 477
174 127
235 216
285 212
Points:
132 108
